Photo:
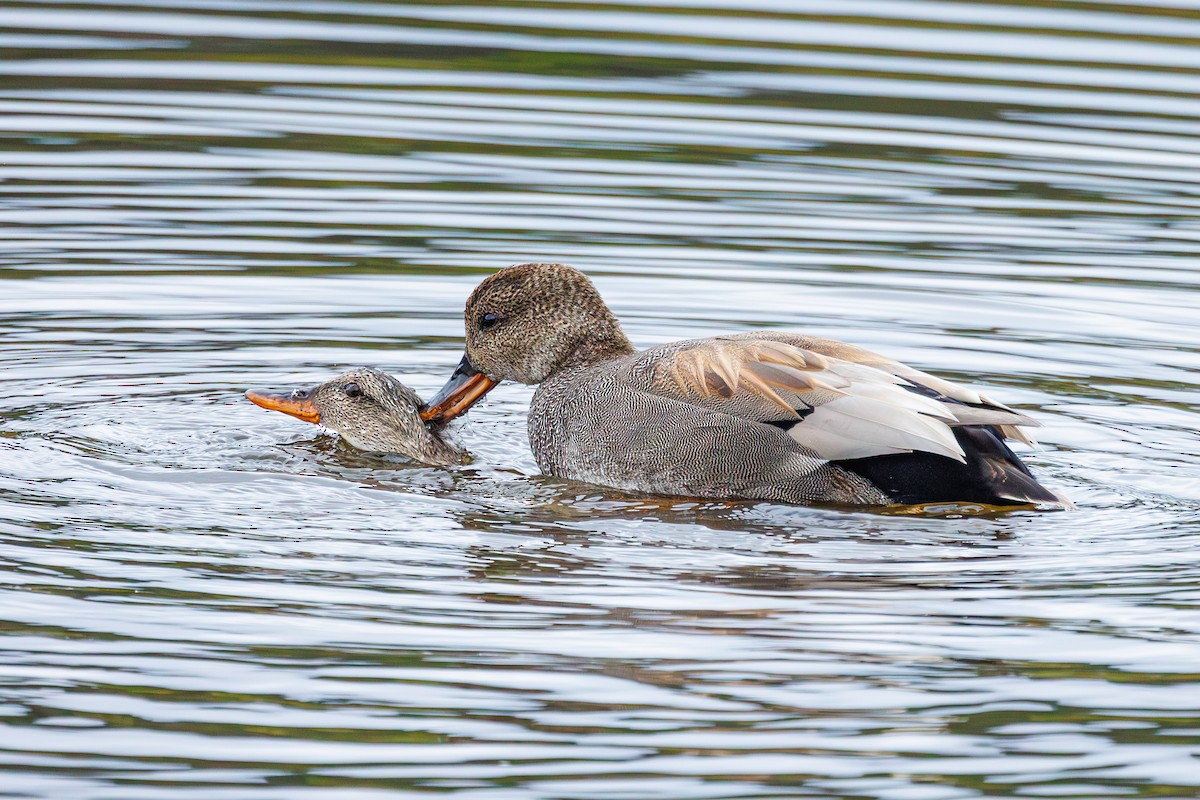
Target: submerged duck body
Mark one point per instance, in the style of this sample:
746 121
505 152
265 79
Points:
369 409
760 415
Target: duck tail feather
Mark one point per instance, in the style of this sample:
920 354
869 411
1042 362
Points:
1003 472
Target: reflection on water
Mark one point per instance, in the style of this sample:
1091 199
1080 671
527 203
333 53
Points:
205 600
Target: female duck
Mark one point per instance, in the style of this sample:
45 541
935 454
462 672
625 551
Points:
371 410
760 415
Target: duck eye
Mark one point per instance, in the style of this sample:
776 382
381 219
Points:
488 320
352 390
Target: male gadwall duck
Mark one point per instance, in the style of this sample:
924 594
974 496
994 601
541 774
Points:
759 415
371 410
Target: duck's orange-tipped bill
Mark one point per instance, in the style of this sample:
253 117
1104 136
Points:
466 387
297 404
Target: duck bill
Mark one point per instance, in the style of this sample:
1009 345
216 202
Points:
302 408
466 387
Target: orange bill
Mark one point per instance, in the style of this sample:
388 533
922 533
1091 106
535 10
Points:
298 404
466 387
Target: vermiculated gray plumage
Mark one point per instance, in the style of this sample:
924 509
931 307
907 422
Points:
590 426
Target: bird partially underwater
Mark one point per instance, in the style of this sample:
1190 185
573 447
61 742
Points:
762 415
372 411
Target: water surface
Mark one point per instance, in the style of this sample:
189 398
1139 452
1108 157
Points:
204 600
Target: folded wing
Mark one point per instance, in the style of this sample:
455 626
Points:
844 403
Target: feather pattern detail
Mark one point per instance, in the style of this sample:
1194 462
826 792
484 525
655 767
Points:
844 409
857 427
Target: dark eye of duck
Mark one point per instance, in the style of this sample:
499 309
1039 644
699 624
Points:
488 320
352 390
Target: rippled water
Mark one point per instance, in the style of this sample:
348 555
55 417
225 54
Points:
204 600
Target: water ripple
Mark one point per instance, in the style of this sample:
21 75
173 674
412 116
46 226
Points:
203 600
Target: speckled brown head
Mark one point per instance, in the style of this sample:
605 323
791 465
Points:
369 409
524 324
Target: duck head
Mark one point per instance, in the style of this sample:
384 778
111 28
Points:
369 409
524 324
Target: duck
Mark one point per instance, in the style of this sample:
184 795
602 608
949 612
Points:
760 415
371 411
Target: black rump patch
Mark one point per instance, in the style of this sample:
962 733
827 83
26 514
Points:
993 474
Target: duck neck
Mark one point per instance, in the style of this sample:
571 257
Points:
597 347
439 452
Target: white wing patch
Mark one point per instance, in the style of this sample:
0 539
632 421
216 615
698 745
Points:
875 416
858 427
